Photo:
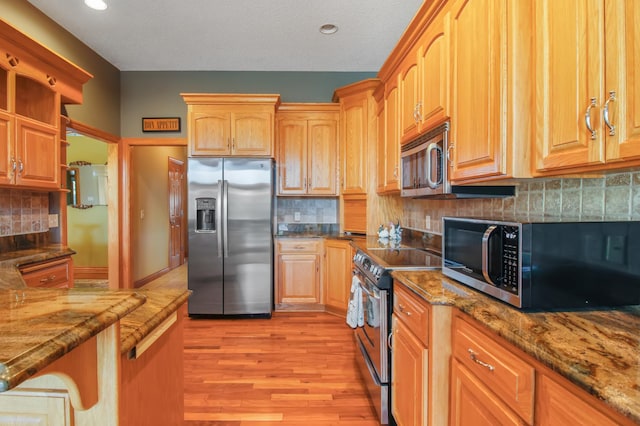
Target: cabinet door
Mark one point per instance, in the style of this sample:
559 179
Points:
298 279
623 77
473 404
51 408
322 147
409 102
434 66
209 133
6 144
37 155
292 156
408 359
477 132
354 167
569 80
337 277
559 406
252 133
391 143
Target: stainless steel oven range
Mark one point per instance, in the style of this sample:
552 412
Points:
372 269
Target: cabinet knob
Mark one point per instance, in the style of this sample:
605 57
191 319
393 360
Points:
13 61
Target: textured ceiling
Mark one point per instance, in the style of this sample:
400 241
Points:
237 35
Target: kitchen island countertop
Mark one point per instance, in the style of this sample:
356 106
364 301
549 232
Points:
599 350
40 326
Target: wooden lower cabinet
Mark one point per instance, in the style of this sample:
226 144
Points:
494 383
338 255
421 348
472 403
36 407
298 274
56 273
562 404
409 363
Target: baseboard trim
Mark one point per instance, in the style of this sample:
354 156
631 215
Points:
146 280
91 272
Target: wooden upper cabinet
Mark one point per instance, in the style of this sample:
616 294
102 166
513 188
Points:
423 79
490 89
433 76
211 132
358 131
34 83
410 105
476 88
231 124
388 144
586 76
307 141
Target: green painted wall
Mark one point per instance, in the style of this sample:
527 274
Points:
157 94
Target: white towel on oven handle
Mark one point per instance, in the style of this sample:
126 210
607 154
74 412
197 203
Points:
355 311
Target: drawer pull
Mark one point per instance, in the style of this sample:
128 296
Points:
48 279
474 358
402 309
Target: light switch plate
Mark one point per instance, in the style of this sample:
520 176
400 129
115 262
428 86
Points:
53 221
296 216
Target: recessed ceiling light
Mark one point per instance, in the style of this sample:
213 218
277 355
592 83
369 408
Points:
96 4
328 29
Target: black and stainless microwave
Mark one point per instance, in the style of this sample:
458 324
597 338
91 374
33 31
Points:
545 265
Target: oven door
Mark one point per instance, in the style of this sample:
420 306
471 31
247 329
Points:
372 337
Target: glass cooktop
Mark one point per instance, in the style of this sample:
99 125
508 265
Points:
404 258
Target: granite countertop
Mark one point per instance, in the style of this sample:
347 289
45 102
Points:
10 276
599 350
41 325
64 318
160 304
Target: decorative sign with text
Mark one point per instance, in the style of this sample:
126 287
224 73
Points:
161 124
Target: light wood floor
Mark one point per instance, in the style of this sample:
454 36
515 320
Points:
292 369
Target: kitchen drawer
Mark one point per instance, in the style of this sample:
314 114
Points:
54 274
508 376
412 311
295 245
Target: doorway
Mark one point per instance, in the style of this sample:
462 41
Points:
176 212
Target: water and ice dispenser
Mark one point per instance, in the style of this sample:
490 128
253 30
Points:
205 214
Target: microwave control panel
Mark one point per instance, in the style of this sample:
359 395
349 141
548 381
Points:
510 258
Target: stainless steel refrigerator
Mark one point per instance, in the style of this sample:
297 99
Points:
230 210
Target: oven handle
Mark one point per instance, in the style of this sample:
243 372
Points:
366 290
361 280
485 253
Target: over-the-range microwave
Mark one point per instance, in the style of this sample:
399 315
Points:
542 265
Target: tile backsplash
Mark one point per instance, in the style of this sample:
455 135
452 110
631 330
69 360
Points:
23 212
309 210
611 197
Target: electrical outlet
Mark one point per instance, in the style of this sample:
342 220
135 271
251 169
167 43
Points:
427 222
141 213
296 217
53 221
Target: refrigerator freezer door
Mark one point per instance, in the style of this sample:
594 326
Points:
248 261
205 267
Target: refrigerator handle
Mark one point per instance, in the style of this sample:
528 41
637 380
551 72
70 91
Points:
225 202
219 217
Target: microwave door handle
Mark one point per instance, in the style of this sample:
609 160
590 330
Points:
485 254
430 149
